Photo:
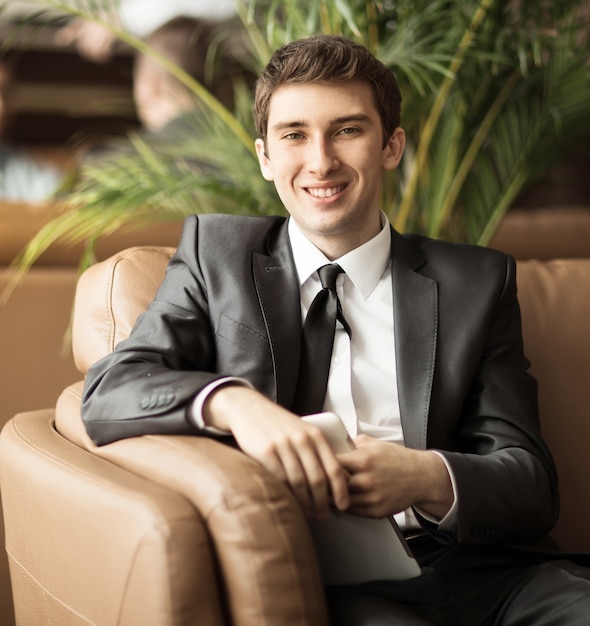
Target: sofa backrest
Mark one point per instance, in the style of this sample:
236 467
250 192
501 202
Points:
555 302
109 297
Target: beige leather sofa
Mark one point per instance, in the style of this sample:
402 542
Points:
183 530
34 321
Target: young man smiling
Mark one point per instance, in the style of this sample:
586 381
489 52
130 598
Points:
429 377
327 168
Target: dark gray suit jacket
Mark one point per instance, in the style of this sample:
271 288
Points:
229 305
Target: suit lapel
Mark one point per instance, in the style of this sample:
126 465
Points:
277 287
415 304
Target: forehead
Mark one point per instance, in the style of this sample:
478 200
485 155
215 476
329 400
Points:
320 102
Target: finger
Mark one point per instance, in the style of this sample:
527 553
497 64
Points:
316 481
295 476
322 474
285 466
337 477
350 461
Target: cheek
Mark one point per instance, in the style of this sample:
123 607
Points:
281 187
279 171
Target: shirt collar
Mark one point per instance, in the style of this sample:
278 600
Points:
363 265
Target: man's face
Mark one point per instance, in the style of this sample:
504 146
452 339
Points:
326 157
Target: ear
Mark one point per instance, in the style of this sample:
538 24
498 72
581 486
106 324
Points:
263 160
393 151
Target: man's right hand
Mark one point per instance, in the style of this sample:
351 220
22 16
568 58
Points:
294 451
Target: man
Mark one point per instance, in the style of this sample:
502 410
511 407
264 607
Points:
166 108
427 368
160 98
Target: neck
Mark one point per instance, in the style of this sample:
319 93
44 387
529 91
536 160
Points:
336 246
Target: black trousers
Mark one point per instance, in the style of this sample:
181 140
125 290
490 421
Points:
472 586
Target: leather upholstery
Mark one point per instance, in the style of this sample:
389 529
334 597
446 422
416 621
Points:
103 316
555 303
90 542
183 530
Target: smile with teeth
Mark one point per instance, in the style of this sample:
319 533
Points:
325 192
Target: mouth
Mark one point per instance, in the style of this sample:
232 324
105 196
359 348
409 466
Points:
325 192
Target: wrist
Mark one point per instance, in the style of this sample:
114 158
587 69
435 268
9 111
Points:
437 493
225 404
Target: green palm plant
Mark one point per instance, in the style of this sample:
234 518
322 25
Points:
495 92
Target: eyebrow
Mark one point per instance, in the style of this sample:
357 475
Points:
337 121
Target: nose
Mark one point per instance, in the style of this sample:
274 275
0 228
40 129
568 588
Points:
322 158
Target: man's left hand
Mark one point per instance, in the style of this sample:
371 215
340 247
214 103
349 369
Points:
386 478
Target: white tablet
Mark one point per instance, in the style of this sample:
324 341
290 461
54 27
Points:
351 549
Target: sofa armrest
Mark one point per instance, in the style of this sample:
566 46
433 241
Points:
89 542
259 534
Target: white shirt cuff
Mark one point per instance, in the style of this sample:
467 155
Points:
447 521
196 408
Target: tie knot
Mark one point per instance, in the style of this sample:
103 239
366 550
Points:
329 274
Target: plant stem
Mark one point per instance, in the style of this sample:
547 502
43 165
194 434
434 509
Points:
502 206
435 113
372 30
470 155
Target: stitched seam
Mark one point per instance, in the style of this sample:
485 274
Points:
119 258
45 590
157 528
431 373
95 480
109 304
266 322
247 329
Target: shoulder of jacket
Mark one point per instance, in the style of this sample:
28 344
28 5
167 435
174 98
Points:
225 235
455 250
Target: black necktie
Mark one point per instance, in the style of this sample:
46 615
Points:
318 339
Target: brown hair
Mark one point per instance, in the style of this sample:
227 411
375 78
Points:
327 59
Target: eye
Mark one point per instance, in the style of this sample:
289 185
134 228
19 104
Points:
294 136
349 130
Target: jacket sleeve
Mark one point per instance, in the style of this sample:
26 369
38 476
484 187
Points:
146 385
505 476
